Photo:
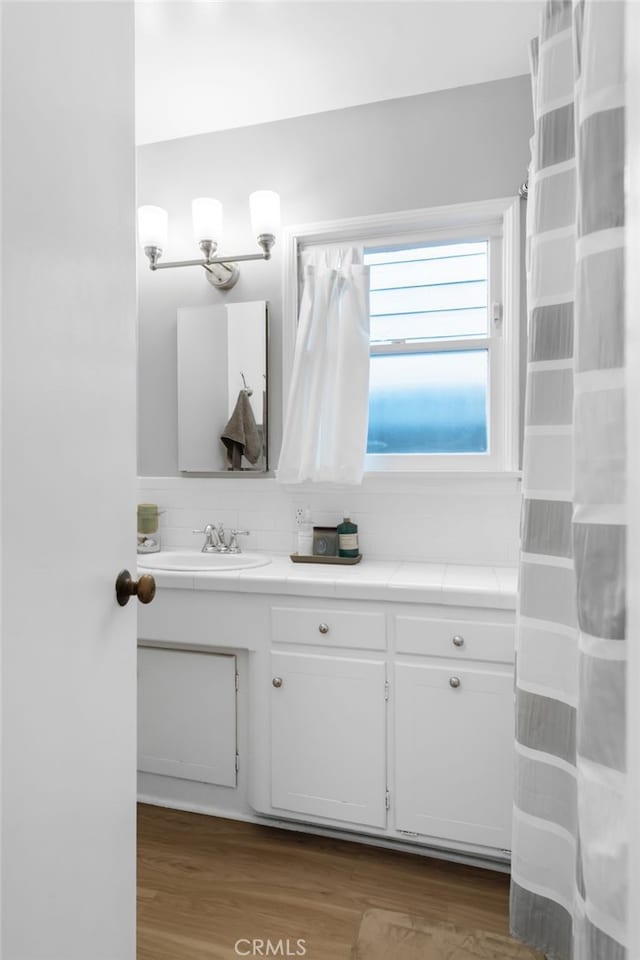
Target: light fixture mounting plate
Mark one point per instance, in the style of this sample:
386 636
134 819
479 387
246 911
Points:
222 276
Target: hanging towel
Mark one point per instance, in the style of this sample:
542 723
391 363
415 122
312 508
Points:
241 436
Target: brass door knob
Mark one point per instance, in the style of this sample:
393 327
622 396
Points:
144 588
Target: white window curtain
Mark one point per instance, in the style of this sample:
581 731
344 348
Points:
326 420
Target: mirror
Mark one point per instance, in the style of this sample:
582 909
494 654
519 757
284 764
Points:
222 389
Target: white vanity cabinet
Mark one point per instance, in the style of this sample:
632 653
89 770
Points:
453 704
379 713
187 715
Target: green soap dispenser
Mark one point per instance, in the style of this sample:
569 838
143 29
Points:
348 539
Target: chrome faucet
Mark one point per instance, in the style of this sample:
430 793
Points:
211 539
215 539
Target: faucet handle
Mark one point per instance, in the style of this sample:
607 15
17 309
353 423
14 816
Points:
206 530
234 546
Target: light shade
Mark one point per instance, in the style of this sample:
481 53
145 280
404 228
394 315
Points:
265 212
207 219
152 226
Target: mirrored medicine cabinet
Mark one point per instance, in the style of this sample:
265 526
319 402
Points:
222 389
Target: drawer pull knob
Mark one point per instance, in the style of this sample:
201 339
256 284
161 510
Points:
324 628
277 681
458 641
454 682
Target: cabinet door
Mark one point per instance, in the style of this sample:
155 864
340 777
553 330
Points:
454 753
328 743
187 715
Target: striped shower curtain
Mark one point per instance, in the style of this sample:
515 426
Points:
568 893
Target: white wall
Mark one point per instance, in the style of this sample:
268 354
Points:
453 146
470 143
212 66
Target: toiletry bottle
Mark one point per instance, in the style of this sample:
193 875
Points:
305 535
348 539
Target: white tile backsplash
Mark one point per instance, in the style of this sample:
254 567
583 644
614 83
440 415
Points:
452 519
455 520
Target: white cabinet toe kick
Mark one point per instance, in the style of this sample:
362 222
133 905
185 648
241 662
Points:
386 722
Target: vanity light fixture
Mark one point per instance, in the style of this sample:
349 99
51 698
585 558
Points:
222 272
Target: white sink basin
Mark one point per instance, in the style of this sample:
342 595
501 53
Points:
193 560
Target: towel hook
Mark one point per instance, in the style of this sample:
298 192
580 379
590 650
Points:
247 390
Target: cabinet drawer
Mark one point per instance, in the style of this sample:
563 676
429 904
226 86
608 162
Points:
456 639
329 628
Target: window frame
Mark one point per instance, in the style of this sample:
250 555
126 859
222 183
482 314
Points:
498 220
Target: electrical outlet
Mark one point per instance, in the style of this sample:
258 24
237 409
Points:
299 515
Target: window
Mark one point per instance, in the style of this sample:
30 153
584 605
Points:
444 302
430 342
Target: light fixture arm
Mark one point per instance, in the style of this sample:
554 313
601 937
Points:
155 265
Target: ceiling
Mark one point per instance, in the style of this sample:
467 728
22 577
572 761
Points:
216 64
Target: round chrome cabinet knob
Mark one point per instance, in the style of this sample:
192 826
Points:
324 628
454 682
458 641
277 681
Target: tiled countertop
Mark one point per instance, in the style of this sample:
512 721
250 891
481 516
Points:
443 583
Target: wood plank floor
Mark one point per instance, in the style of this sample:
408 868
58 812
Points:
204 883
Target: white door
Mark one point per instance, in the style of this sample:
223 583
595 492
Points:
454 753
68 496
187 715
328 744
